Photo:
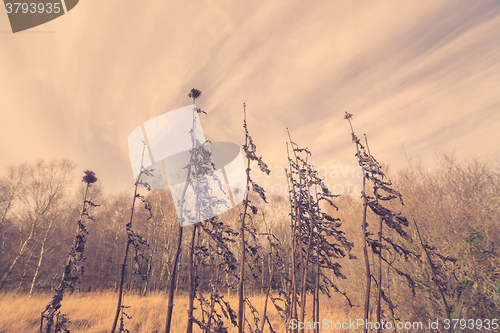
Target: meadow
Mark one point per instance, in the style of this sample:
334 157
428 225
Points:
90 312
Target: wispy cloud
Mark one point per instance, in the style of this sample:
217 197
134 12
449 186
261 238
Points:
423 76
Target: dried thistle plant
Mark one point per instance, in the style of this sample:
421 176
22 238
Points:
191 181
316 240
210 248
383 192
204 245
73 270
136 241
250 150
123 315
214 251
194 94
89 177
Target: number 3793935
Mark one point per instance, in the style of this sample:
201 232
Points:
33 8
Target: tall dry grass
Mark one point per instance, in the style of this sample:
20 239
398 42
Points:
93 312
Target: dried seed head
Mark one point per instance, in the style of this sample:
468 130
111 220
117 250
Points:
89 177
194 93
347 115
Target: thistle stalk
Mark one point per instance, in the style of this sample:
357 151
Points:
242 240
364 228
123 267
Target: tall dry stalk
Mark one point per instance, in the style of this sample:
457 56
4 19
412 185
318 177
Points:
136 241
294 213
250 150
73 270
210 246
242 236
435 270
194 94
379 273
271 275
199 164
364 230
316 240
171 281
382 191
122 270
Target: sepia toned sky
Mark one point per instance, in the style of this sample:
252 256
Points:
423 77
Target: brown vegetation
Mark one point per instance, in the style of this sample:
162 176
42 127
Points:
433 257
93 312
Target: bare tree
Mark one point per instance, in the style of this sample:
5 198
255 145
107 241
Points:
44 190
10 186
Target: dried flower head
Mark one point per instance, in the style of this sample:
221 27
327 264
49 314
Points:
194 93
89 177
347 115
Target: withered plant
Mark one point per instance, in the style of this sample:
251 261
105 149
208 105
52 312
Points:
213 251
397 224
207 248
137 242
316 240
191 179
73 270
251 247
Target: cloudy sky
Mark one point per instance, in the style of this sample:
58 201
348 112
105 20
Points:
418 75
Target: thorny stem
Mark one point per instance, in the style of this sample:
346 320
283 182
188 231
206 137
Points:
271 273
316 295
294 227
379 285
297 227
192 268
364 230
434 277
365 254
192 287
123 266
308 251
54 305
214 293
242 238
313 222
170 305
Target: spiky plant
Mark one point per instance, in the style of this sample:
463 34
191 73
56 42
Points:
73 270
383 191
136 241
316 238
250 150
194 94
215 233
198 164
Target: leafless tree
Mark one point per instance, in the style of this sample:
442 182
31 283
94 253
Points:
37 200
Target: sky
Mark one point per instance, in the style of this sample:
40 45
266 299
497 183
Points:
420 78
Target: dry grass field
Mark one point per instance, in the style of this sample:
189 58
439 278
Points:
94 312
